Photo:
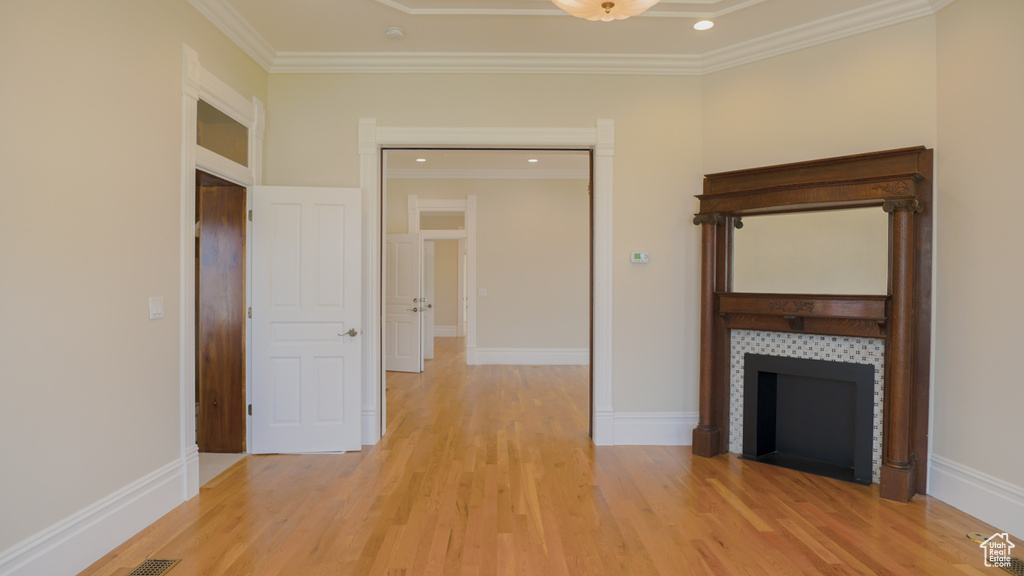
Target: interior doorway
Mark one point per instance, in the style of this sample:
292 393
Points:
465 164
220 296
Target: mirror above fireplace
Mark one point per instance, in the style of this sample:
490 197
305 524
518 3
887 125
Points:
821 252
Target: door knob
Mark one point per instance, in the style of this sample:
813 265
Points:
352 332
414 309
430 305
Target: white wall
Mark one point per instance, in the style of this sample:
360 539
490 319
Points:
90 157
446 282
312 140
533 256
874 91
980 321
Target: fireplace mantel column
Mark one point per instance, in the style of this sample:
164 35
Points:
897 474
707 438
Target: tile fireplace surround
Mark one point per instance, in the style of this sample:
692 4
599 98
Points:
812 347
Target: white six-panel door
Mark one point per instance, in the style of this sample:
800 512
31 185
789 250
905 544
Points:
402 331
306 382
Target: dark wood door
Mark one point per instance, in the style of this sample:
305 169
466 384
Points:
220 316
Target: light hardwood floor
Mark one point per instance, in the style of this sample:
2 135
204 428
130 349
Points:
488 470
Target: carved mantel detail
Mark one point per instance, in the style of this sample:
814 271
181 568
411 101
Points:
714 218
901 205
900 188
790 306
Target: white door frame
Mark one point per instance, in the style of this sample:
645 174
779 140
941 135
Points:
198 83
416 207
373 139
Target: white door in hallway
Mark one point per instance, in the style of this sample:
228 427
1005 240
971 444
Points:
428 300
306 320
403 344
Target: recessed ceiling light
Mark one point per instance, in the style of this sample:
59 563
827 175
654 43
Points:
703 25
421 159
532 160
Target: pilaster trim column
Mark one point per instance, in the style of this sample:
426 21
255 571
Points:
897 474
707 436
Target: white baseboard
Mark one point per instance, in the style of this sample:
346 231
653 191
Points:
190 470
370 427
445 332
990 499
604 428
654 428
644 428
528 356
73 544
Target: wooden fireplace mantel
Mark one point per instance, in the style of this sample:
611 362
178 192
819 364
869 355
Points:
898 182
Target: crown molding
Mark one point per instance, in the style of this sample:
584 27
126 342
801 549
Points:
477 174
866 19
238 30
940 4
484 63
872 17
551 10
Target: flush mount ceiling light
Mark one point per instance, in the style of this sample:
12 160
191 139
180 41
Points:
604 10
703 25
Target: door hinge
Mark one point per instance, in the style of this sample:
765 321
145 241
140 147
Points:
250 215
250 312
250 409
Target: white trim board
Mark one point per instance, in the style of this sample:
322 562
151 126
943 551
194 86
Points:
445 331
653 428
600 138
198 83
990 499
528 356
74 543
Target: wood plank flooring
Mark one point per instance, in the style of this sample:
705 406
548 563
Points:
488 470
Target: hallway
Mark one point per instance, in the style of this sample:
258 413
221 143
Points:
488 470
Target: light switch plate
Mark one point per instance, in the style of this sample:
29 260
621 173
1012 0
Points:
156 307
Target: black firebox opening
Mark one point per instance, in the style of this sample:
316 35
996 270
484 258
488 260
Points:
809 415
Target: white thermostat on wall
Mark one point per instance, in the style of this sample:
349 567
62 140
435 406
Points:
639 257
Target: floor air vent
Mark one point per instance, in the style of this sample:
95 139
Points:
1014 566
154 567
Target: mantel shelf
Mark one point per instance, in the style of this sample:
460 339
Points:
827 314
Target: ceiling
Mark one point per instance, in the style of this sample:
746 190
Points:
488 164
535 36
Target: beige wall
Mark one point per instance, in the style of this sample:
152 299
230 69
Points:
446 282
874 91
533 246
312 140
90 156
980 322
